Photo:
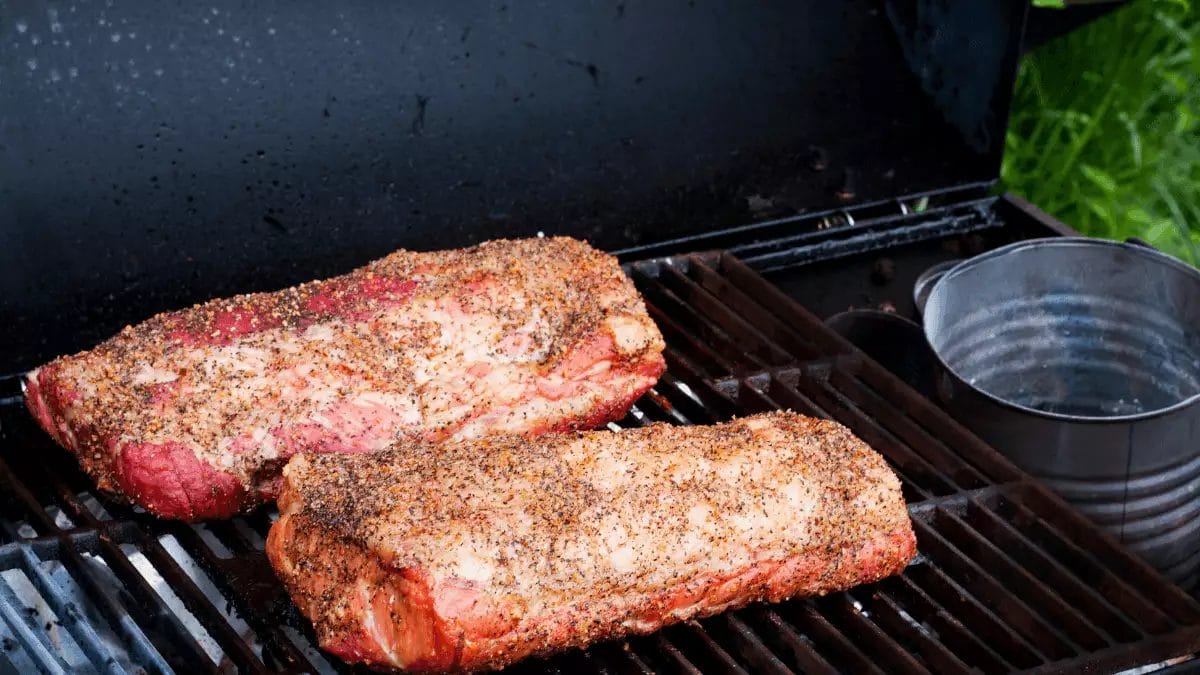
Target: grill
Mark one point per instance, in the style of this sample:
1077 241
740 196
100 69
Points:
1008 577
156 155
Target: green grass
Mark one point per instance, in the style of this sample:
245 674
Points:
1105 127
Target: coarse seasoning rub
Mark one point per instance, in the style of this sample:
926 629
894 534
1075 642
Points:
192 414
479 553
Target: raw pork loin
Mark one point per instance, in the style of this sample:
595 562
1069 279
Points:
192 414
479 553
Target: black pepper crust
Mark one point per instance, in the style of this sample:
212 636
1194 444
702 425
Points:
425 489
554 293
564 274
530 523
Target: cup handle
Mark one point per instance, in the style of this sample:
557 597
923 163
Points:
927 280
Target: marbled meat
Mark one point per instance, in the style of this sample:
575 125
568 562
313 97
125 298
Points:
480 553
192 414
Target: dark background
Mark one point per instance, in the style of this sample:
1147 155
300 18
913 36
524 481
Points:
157 154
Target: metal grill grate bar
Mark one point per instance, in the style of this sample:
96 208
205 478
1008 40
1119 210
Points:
818 628
1054 574
175 642
703 337
712 655
1008 577
895 620
1035 629
1103 550
754 400
783 308
844 611
719 404
789 644
786 335
68 614
977 616
963 641
625 658
33 508
1088 567
751 648
674 657
110 607
1118 659
967 447
224 571
233 645
1076 626
738 319
907 431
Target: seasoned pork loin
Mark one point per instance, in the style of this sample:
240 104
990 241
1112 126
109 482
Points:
476 554
192 414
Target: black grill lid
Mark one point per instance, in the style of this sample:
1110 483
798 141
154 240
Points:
156 154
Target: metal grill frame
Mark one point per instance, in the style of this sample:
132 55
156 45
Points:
1008 576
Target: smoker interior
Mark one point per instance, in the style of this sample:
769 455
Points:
1007 577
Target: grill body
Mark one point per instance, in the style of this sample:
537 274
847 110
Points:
158 154
1008 577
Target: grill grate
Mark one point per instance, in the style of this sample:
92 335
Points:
1008 577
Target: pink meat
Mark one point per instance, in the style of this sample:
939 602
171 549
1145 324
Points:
475 554
192 414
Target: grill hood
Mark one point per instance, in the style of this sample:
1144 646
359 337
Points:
154 155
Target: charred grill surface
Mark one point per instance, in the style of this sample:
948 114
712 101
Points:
1007 577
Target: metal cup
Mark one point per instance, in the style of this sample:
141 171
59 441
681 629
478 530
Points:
1080 360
